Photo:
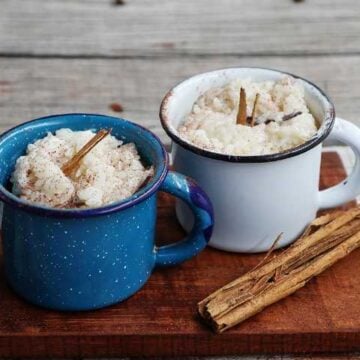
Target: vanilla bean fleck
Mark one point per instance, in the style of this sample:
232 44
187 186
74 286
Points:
291 116
284 118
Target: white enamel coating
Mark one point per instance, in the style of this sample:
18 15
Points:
349 134
255 202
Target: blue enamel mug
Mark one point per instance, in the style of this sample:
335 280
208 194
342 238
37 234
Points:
82 259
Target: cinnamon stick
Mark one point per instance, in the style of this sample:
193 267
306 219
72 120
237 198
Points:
241 117
252 119
74 162
328 239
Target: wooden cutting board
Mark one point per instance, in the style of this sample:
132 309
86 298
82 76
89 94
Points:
161 319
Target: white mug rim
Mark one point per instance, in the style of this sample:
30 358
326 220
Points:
322 133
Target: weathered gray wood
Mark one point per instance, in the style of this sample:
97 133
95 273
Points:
147 27
31 88
231 32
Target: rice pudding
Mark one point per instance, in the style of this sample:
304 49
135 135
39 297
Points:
282 118
111 171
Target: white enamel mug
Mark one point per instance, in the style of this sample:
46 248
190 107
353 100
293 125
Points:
256 198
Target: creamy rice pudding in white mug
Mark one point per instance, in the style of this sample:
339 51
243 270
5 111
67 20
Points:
282 118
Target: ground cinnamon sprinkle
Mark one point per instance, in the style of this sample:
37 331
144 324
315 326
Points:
110 172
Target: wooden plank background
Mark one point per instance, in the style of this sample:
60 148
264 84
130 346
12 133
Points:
168 27
59 56
33 87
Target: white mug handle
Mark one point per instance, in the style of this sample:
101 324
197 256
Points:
349 134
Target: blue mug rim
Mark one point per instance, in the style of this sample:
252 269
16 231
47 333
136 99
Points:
11 199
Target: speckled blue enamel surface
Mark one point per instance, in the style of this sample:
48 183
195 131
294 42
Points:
88 259
79 263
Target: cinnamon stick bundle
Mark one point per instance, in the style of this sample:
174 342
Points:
328 239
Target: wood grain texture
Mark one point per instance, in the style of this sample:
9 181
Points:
155 28
61 56
32 88
161 320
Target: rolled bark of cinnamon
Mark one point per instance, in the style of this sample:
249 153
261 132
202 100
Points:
74 162
328 239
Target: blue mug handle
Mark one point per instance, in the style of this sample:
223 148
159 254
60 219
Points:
186 189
